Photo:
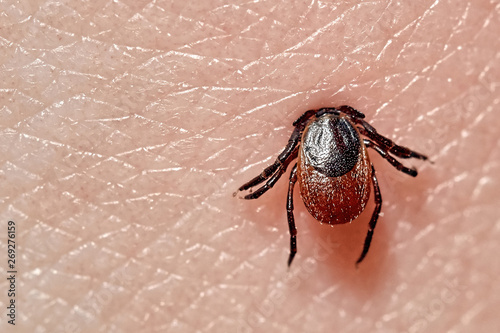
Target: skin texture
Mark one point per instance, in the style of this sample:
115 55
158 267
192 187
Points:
126 126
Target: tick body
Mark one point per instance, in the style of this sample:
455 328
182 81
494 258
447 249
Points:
333 168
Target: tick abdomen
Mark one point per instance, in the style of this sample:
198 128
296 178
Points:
333 170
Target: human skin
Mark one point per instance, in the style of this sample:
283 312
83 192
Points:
127 126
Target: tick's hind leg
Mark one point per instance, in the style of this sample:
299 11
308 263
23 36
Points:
373 220
289 213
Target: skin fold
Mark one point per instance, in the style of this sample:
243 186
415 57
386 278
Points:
126 126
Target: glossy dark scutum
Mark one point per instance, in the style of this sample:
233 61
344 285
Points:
331 145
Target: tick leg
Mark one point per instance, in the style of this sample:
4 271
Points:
395 163
352 112
275 177
373 220
344 108
289 213
304 118
386 143
290 149
283 159
349 110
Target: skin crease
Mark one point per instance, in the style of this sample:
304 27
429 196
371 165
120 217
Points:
126 127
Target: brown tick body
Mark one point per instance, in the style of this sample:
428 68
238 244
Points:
333 168
337 193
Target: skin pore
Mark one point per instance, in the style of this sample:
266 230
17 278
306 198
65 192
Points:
126 126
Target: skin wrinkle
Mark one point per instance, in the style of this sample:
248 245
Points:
125 127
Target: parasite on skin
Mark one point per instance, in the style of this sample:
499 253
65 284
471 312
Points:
332 168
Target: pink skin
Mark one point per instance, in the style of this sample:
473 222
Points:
127 126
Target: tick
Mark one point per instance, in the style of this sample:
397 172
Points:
333 168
